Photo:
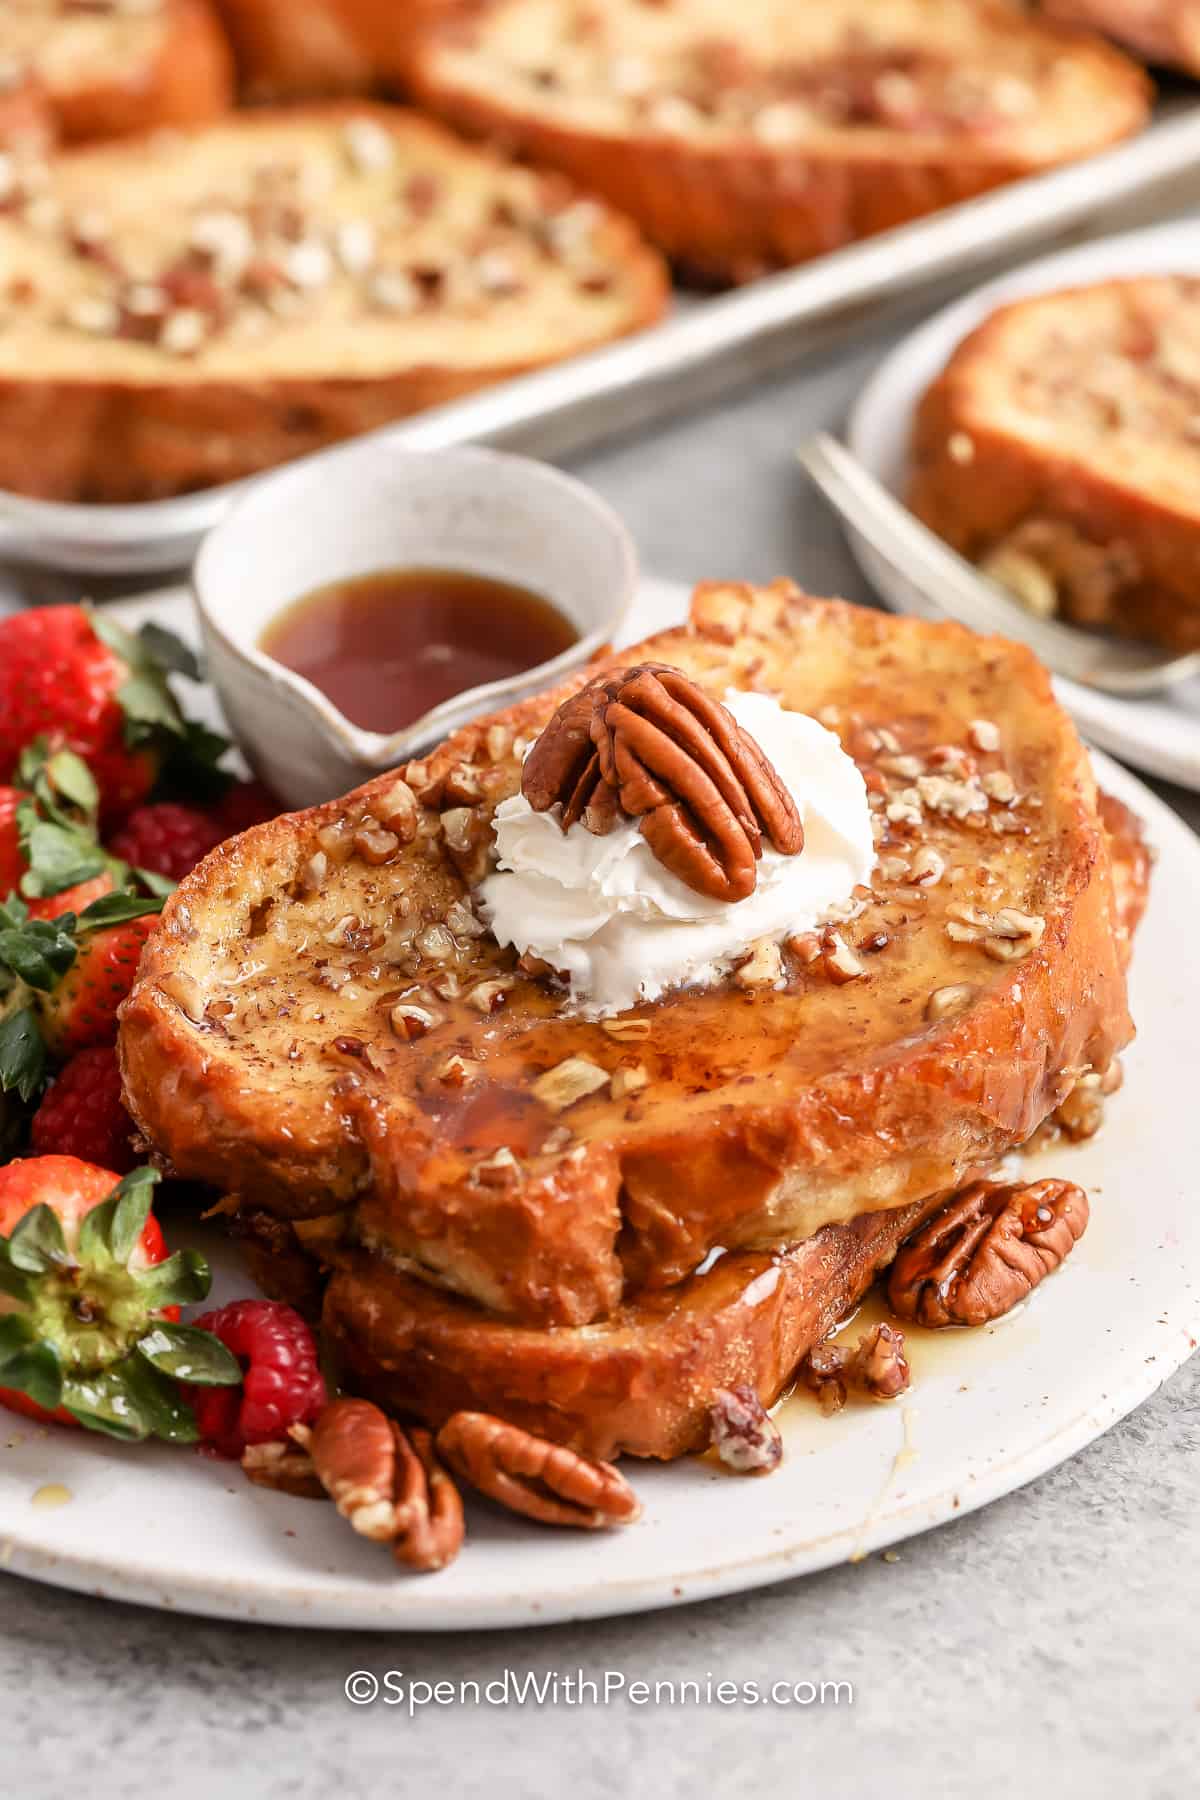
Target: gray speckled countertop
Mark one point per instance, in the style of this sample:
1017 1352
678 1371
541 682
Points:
1049 1644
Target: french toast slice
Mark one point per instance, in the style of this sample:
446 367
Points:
111 68
321 1023
751 138
207 304
1162 31
1058 448
642 1382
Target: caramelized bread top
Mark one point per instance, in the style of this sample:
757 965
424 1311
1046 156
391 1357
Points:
843 77
341 242
321 1022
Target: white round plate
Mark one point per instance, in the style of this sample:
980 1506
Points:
1162 733
987 1411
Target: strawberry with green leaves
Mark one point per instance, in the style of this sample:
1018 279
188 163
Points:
74 679
89 1299
62 980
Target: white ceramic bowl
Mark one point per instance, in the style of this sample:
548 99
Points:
375 506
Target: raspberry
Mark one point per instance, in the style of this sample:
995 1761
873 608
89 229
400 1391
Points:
167 838
82 1114
282 1385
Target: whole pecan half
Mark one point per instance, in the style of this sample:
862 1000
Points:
876 1367
652 745
387 1482
532 1476
986 1251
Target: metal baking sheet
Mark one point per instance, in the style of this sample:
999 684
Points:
707 346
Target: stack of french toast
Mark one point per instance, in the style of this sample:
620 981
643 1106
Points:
595 1225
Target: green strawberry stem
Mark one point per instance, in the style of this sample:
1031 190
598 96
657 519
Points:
86 1334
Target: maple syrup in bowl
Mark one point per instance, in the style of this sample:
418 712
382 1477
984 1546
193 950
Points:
387 648
358 607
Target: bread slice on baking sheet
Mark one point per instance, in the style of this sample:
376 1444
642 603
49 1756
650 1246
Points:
198 307
752 137
1060 448
110 68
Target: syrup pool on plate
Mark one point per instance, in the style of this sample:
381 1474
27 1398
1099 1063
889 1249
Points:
389 646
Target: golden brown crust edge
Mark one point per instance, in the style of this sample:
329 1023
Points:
737 212
304 49
974 504
190 82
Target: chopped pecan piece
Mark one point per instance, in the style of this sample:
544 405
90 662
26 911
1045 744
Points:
653 745
529 1475
986 1251
744 1434
388 1483
876 1367
284 1468
1081 1114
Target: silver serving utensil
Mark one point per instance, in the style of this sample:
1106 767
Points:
959 590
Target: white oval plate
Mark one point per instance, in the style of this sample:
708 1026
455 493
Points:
1162 733
988 1410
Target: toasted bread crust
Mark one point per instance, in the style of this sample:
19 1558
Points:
135 422
766 1116
162 69
732 208
1068 467
303 49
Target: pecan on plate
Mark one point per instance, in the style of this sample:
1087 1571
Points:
284 1469
876 1367
986 1251
652 745
532 1476
388 1483
744 1435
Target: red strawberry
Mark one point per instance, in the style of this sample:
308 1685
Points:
60 682
89 1304
282 1384
82 1113
48 836
12 857
81 1008
72 899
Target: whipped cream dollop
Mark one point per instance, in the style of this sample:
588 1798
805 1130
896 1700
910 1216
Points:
623 929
